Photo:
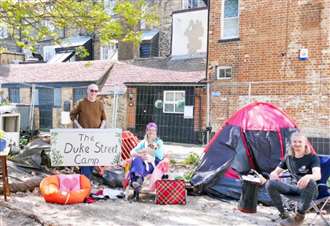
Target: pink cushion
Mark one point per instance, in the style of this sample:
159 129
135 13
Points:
69 182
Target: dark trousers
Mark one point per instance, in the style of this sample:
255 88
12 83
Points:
87 171
275 188
138 169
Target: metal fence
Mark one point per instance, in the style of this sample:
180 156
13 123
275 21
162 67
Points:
307 103
179 111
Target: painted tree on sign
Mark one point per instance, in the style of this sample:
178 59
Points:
31 21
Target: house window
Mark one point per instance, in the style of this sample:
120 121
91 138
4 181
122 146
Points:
109 5
79 93
230 19
190 4
108 51
145 50
3 31
174 102
224 72
48 52
14 96
57 97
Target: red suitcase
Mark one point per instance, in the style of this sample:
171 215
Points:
171 192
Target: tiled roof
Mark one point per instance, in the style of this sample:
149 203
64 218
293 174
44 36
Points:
151 71
80 71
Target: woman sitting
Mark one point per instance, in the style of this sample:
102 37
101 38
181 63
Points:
146 155
304 166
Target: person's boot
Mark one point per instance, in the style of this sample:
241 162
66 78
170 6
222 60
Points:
137 188
295 220
136 196
284 215
137 184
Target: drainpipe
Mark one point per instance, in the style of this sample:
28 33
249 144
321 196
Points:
31 116
207 71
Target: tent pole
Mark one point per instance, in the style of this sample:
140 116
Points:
250 85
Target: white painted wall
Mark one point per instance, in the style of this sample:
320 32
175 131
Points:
189 35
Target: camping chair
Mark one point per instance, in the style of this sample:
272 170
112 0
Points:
129 141
324 189
324 192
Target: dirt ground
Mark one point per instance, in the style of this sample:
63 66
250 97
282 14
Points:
30 209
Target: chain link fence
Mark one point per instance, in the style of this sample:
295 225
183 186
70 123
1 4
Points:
307 103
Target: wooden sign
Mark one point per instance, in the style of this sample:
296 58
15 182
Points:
85 147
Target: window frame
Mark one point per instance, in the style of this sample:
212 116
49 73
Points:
185 4
16 98
78 91
222 37
165 92
224 68
111 47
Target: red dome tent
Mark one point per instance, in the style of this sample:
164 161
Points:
255 137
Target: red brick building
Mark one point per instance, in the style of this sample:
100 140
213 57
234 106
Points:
275 51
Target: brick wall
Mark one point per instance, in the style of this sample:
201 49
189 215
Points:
25 95
200 109
166 8
67 95
109 105
271 36
8 58
36 119
4 93
57 117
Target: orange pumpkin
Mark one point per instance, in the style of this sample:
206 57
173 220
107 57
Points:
50 190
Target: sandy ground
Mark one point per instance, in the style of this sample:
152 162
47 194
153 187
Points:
31 209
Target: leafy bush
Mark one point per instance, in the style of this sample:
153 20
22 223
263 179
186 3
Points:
192 159
188 175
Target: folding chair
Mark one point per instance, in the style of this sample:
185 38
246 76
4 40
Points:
324 193
320 211
324 190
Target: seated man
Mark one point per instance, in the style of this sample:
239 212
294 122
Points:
304 166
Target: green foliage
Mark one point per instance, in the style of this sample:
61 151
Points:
82 52
57 158
172 161
2 50
23 141
4 102
192 159
187 176
30 22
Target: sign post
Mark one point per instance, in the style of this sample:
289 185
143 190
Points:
85 147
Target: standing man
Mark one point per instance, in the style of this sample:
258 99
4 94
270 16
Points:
89 113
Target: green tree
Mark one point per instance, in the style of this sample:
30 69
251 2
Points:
31 21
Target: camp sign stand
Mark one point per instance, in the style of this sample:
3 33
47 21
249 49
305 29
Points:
85 147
